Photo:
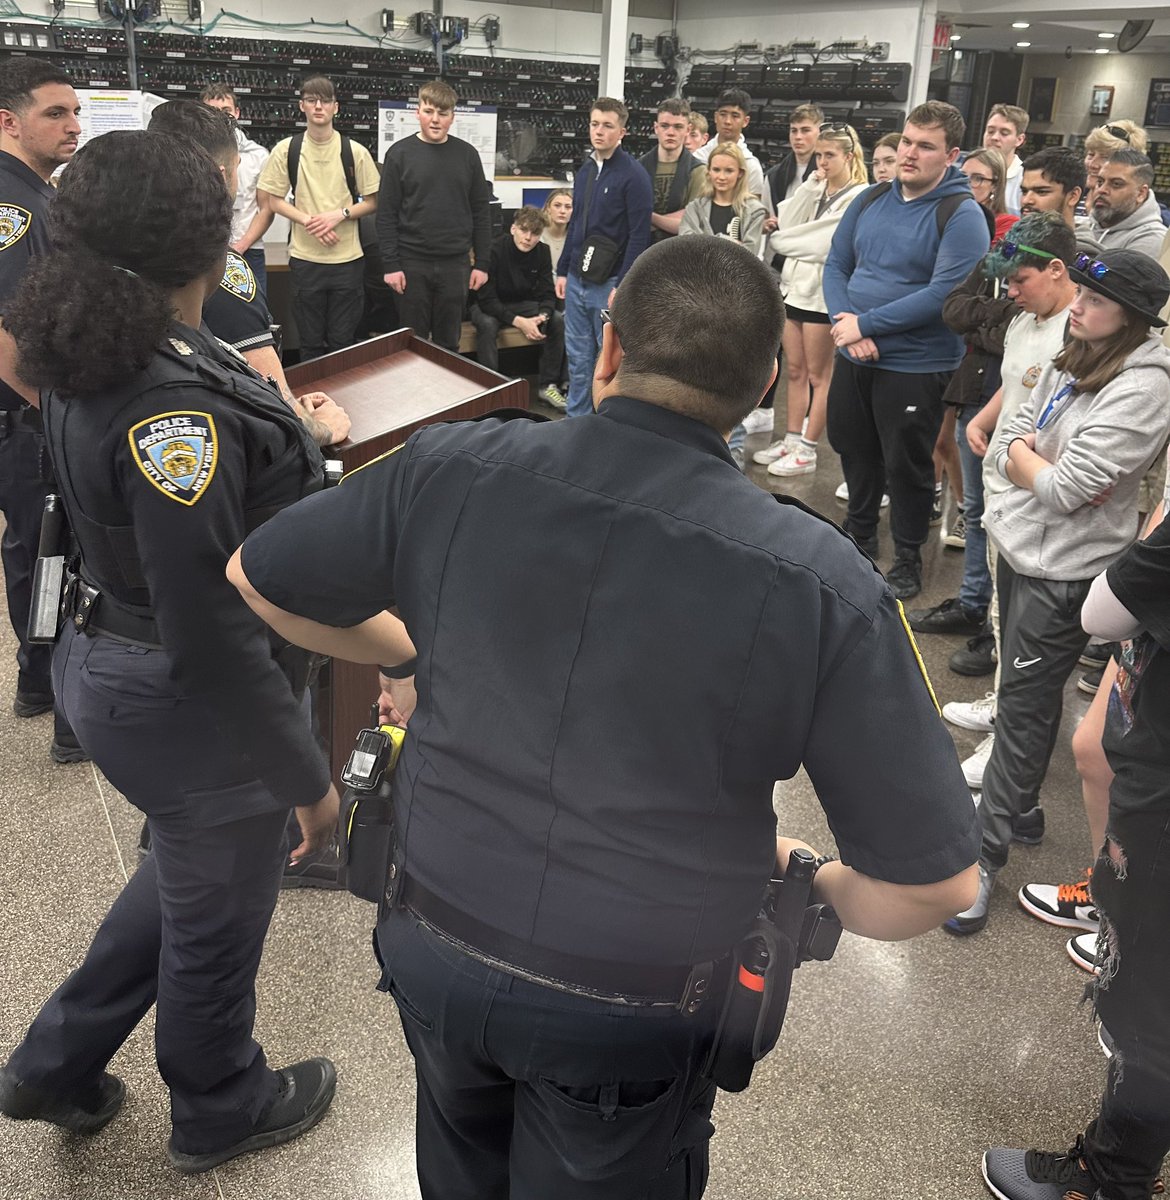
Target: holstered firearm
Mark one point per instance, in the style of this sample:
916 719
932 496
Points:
787 932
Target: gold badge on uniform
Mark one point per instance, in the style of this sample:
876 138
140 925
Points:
238 278
14 223
177 452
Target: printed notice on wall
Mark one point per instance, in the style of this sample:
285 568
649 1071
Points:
473 123
102 112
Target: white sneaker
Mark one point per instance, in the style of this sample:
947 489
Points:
778 449
842 494
1082 949
978 715
974 766
759 420
802 461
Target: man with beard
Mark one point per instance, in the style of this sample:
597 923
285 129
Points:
1054 180
1124 213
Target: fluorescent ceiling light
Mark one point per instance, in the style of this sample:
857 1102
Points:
1021 25
1101 50
1106 35
956 37
1023 44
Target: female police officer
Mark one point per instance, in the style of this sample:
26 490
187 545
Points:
168 450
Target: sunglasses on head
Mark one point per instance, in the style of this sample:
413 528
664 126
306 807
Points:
1010 249
1088 265
842 130
1117 132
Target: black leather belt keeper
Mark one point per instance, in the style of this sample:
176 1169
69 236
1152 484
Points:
683 986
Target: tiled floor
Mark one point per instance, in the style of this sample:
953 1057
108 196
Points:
899 1064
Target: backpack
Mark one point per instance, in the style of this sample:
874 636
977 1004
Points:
294 163
943 211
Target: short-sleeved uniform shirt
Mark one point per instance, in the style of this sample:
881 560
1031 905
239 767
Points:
321 187
175 469
24 233
236 312
622 644
1137 731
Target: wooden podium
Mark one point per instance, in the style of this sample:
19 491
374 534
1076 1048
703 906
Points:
389 386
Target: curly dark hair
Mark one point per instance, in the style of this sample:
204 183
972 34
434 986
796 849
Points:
137 215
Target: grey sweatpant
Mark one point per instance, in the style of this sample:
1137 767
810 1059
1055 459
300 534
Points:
1040 641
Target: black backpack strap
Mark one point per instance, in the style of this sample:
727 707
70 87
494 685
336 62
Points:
874 193
348 167
294 161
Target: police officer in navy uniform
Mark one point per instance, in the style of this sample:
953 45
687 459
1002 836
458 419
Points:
621 644
38 132
167 449
236 312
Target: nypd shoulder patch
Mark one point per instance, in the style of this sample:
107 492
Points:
238 278
14 223
177 452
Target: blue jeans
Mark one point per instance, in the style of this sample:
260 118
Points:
583 304
976 588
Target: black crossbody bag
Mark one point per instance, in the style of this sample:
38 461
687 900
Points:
599 254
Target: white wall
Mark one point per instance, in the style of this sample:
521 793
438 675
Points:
1130 74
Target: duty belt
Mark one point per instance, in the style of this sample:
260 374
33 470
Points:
92 612
682 987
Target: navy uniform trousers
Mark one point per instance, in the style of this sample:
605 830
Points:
187 931
528 1093
24 484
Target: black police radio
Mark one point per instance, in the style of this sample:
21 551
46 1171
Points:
366 819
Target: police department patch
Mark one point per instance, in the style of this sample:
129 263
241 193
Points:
14 223
177 452
238 278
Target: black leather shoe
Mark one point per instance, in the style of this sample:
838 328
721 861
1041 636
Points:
948 617
905 576
65 748
306 1091
977 657
32 704
82 1113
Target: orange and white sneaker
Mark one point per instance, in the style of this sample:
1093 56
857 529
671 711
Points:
1066 904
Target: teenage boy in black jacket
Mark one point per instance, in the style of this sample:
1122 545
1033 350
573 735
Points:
520 292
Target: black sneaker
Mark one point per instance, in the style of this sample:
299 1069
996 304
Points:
1097 655
948 617
1090 681
905 576
976 658
85 1112
65 748
1028 827
32 704
1037 1175
321 869
306 1091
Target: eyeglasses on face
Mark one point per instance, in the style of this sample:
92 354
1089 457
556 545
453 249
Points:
1088 265
1010 249
981 179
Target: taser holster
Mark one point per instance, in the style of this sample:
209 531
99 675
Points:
366 820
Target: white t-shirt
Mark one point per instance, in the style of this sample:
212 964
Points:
755 172
1029 345
253 156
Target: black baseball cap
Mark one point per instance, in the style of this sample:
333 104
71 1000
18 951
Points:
1133 280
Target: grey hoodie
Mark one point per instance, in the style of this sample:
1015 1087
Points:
1142 230
1095 441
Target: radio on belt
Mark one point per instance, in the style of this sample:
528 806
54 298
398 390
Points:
366 821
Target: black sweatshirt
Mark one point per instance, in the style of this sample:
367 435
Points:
515 276
433 202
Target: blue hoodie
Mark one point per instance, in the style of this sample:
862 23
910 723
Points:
887 265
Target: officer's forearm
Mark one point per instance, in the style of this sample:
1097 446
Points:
891 912
265 360
382 639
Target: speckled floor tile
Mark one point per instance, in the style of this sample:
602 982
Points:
899 1064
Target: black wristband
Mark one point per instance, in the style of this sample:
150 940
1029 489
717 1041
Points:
825 858
402 671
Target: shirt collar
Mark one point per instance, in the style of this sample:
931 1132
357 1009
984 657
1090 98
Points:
655 419
22 171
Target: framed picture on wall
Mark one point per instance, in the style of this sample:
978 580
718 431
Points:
1042 99
1101 103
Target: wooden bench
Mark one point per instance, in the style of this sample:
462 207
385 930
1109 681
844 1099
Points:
510 338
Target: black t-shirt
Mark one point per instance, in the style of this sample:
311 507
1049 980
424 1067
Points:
622 644
721 217
236 311
1137 730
